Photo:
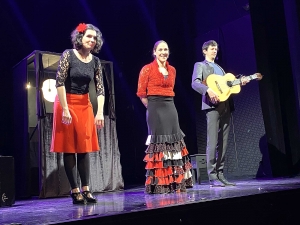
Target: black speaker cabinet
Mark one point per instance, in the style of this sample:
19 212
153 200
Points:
7 181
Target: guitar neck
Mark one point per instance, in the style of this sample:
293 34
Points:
239 81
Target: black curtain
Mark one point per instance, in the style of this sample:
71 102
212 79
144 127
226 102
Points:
105 164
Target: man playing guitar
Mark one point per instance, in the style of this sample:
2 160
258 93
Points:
217 114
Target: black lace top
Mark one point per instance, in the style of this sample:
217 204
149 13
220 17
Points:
76 75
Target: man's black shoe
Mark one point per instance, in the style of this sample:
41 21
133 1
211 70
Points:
224 181
216 183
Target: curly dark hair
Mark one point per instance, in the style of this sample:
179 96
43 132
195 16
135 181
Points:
76 38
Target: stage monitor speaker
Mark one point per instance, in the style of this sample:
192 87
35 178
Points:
7 181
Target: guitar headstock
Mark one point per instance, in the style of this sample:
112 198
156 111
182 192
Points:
258 76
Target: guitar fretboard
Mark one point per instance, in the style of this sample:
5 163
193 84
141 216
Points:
238 81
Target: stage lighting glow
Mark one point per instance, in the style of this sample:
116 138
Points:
49 90
28 85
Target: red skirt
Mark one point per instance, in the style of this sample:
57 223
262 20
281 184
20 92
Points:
81 135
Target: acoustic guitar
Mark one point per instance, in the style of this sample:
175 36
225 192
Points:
226 85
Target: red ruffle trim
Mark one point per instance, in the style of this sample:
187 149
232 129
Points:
164 180
160 175
158 156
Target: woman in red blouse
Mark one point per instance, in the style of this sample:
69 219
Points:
167 162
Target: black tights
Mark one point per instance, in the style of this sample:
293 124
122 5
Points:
83 165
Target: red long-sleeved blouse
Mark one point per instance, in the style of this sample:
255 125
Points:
152 82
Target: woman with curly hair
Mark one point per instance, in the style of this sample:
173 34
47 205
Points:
74 125
167 162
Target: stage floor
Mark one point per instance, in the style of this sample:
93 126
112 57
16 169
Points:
61 210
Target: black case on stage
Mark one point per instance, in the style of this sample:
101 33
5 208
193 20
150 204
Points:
7 181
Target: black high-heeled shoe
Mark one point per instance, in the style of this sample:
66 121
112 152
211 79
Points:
88 197
76 198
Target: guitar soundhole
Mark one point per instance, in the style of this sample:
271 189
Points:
218 86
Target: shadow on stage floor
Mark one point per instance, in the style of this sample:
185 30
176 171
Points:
252 201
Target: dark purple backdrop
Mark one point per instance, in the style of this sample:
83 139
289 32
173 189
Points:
130 29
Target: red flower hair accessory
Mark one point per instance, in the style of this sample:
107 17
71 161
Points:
81 27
